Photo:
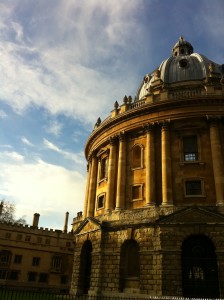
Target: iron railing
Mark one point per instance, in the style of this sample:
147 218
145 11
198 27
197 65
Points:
15 294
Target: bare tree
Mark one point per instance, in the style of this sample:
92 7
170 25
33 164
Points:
7 213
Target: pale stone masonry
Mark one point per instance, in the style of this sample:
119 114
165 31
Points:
153 221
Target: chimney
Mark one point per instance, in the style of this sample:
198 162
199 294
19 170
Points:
66 222
1 207
36 220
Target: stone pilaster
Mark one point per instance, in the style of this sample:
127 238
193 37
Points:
167 193
110 196
150 165
87 188
217 160
92 187
121 173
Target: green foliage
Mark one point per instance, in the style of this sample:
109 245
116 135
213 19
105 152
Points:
7 213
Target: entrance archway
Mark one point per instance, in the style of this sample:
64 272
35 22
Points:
199 268
85 267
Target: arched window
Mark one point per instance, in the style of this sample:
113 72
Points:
85 267
129 266
199 268
137 157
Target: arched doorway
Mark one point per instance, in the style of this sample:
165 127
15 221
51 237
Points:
129 266
199 268
85 267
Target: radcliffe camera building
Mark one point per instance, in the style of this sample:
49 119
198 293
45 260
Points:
153 220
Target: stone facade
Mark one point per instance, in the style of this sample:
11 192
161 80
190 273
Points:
153 213
35 258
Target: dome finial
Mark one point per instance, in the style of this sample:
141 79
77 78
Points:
182 47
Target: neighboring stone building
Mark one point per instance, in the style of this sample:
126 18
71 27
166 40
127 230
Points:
36 258
153 220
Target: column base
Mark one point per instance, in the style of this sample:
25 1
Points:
167 204
118 208
150 204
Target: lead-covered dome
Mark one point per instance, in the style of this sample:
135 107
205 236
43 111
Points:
184 65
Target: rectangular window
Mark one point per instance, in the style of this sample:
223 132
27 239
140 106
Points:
100 201
27 238
18 259
47 242
103 168
190 148
3 274
136 157
56 263
36 261
193 188
32 276
7 235
136 192
4 259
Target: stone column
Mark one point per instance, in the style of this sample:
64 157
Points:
150 166
92 187
121 173
167 193
110 196
217 161
87 188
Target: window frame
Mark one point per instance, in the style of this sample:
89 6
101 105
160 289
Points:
36 261
185 153
193 180
140 185
5 262
98 199
141 165
103 156
56 263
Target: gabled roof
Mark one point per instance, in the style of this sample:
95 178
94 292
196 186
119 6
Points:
90 224
192 215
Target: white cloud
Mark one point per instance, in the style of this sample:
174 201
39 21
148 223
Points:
75 157
41 187
55 128
11 156
3 114
26 141
55 60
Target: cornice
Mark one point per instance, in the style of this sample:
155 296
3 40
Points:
150 108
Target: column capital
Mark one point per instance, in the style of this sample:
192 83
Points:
122 135
165 125
213 119
149 126
91 156
112 140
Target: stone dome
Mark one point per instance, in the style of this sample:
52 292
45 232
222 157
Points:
183 66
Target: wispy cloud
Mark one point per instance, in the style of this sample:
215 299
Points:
26 141
54 127
55 67
3 114
77 158
11 156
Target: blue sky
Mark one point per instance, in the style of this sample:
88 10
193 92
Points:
63 64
